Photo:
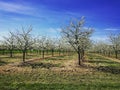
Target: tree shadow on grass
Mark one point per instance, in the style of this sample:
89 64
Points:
2 62
38 65
57 58
108 68
14 57
101 61
112 70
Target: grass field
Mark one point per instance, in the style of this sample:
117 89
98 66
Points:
61 73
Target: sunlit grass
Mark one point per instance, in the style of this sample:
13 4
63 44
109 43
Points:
62 74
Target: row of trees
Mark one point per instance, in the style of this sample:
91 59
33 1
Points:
19 41
75 37
108 49
23 40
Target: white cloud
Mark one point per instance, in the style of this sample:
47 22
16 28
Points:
54 30
99 38
112 29
16 8
38 11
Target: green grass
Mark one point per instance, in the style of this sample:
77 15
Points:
39 86
99 75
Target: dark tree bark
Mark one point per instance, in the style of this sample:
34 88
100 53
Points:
43 54
116 54
11 53
79 56
24 55
59 52
52 52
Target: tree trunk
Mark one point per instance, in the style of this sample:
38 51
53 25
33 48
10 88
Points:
11 53
59 52
43 54
52 52
116 54
47 51
24 55
79 56
109 54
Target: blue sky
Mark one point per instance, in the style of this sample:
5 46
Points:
48 16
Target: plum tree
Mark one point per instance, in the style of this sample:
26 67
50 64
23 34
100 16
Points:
24 40
78 36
